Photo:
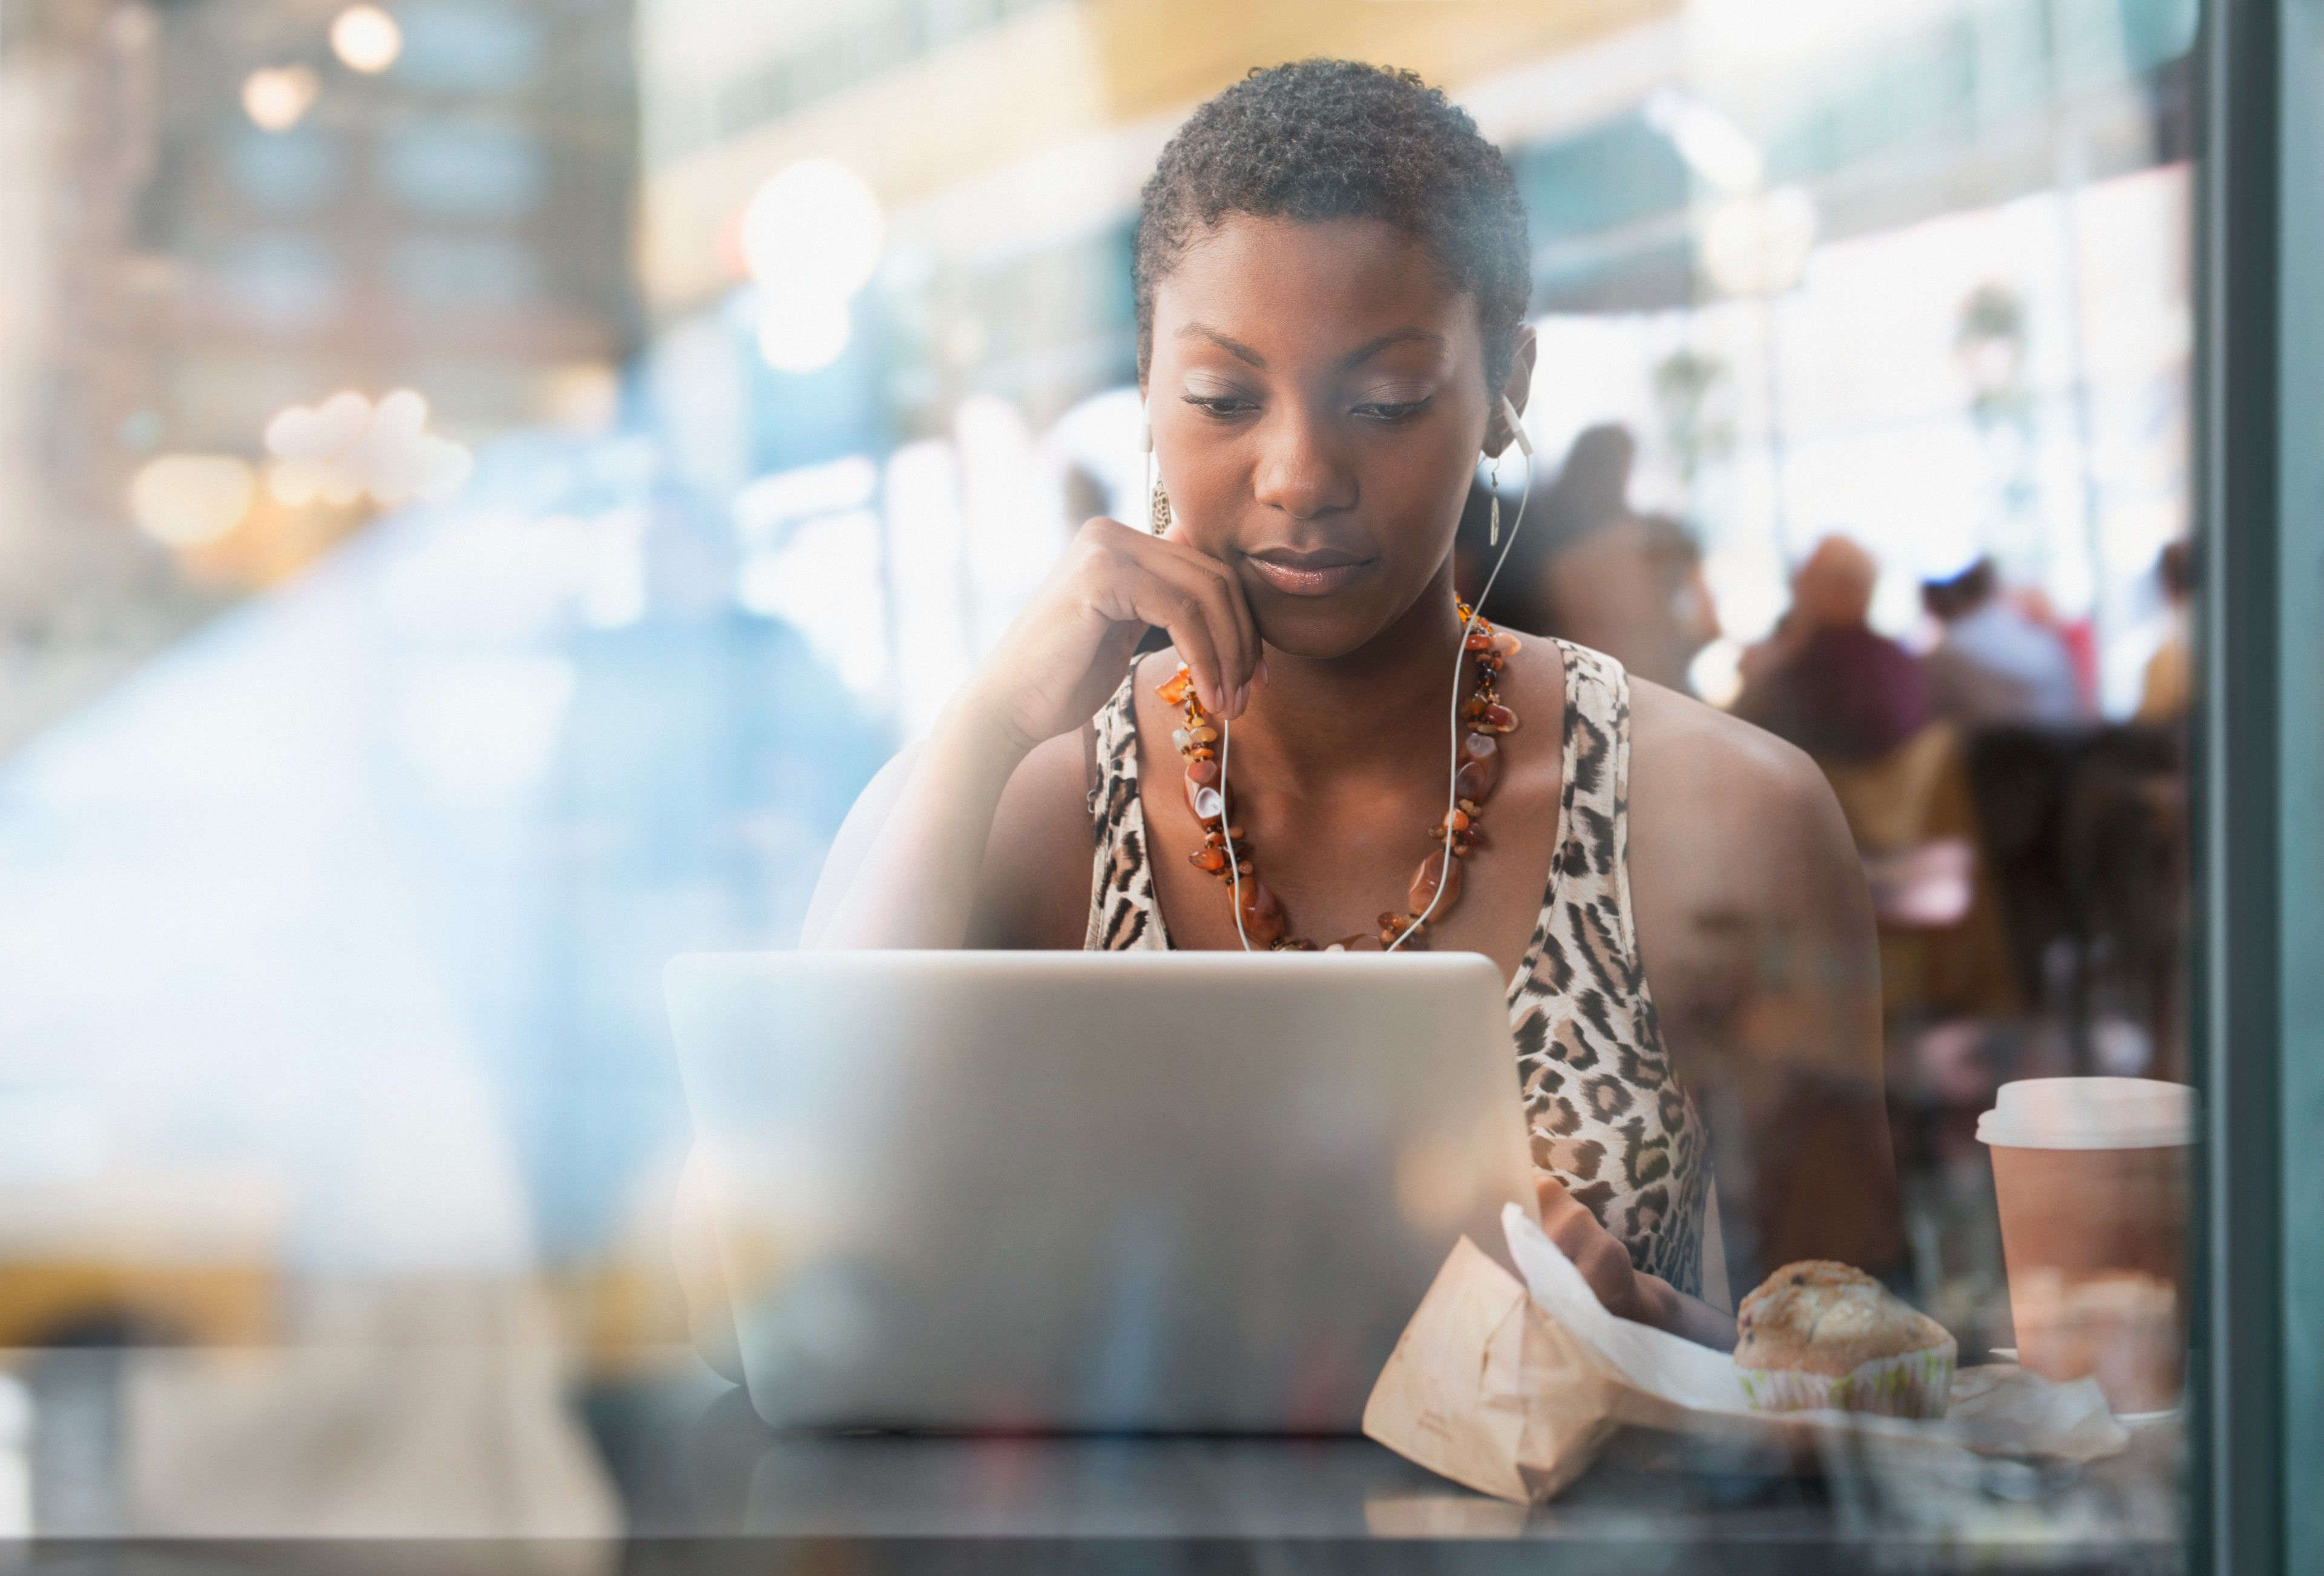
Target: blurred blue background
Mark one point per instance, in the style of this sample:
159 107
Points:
363 757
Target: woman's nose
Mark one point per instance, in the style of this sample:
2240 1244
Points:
1304 470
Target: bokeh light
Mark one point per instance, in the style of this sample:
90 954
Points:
347 446
802 334
190 500
277 97
814 229
366 39
1758 244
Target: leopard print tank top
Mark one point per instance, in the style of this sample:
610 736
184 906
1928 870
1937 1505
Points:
1607 1114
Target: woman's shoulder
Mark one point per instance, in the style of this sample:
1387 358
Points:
1727 781
1668 729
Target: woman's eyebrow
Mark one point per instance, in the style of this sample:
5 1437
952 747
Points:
1234 347
1364 353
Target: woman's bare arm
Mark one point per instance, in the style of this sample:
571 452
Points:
905 870
1756 934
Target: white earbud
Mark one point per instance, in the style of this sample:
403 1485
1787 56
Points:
1516 428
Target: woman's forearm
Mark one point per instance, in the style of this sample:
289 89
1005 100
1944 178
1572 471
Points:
914 884
1668 1308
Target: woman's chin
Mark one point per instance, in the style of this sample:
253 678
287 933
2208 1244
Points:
1320 628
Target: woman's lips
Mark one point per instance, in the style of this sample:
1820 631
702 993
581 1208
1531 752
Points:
1319 573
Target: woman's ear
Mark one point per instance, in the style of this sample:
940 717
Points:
1513 391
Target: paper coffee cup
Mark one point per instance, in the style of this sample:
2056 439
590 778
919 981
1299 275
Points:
2090 1178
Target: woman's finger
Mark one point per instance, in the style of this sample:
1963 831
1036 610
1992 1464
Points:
1129 577
1179 609
1207 594
1246 658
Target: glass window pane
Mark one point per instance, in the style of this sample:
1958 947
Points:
487 492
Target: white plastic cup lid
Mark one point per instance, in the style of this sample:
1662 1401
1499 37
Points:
2089 1113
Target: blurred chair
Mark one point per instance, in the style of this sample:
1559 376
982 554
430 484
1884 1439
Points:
1942 950
2126 873
2086 838
2017 779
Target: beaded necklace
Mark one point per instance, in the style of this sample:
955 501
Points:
1264 922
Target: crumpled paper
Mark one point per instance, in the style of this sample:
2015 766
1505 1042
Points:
1513 1386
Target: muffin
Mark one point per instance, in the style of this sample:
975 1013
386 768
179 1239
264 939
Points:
1820 1336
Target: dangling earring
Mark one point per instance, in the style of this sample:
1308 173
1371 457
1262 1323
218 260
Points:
1158 517
1493 510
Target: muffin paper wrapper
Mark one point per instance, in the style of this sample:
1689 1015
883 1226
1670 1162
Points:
1916 1384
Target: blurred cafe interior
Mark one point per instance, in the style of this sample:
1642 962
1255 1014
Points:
485 483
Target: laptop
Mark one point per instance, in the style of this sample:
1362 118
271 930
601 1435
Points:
1197 1192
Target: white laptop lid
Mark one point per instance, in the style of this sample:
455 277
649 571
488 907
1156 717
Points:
1091 1191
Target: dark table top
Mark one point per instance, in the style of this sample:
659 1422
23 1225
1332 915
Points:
478 1457
702 1488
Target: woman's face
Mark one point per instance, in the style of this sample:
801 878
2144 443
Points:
1318 394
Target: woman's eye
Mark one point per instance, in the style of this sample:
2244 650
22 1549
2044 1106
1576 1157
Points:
1220 405
1391 409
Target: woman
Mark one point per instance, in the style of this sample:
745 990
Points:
1331 276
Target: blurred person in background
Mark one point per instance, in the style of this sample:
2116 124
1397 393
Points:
1331 278
1601 574
2167 689
1825 679
1995 665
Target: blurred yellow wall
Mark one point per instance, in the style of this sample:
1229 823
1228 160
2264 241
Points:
1064 73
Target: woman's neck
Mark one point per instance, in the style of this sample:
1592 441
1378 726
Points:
1372 708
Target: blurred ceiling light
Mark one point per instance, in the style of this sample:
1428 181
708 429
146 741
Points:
1713 146
366 39
802 334
188 500
814 229
322 434
1764 30
276 98
1757 245
347 446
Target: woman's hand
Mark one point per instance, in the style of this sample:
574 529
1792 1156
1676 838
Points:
1068 649
905 870
1603 1262
1622 1290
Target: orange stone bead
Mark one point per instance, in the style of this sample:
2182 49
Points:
1203 772
1496 719
1263 919
1174 689
1435 868
1213 860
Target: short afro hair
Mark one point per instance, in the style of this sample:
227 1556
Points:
1339 139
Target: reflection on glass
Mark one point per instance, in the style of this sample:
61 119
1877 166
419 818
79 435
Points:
483 489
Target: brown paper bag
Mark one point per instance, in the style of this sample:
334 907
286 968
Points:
1486 1390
